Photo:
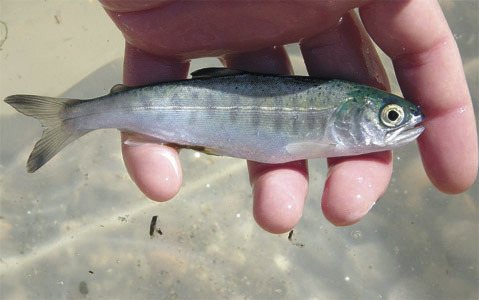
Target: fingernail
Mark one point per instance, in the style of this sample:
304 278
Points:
171 159
132 142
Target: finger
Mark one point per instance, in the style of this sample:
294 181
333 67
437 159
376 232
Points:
416 36
354 184
192 29
133 5
153 167
279 191
141 68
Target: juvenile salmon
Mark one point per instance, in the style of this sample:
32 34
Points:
259 117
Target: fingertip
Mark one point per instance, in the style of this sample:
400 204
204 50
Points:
354 185
279 197
450 159
348 208
154 168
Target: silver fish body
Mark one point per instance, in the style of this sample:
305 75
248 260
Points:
259 117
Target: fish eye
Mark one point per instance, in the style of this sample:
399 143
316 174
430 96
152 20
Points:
392 115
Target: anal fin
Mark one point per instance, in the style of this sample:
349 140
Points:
202 149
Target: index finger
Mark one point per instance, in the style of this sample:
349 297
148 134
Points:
416 36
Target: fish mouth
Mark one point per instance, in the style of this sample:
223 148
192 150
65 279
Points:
406 134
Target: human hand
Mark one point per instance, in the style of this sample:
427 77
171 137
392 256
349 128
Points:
161 35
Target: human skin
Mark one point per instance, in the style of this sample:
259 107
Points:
161 36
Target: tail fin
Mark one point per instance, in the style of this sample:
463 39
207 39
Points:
55 134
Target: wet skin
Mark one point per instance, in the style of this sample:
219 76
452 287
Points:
162 35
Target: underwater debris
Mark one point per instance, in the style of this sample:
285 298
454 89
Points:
83 288
153 227
3 33
290 238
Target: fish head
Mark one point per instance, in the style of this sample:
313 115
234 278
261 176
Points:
400 122
374 120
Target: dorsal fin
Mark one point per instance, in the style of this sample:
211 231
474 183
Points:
215 72
119 88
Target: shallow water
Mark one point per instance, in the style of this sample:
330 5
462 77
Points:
79 228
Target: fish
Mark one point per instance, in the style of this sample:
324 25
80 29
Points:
259 117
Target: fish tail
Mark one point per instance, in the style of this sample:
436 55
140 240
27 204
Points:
56 134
